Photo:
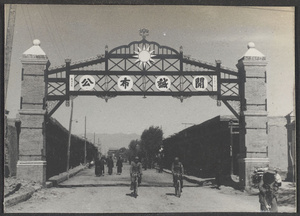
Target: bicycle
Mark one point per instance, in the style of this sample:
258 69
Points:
136 184
256 178
177 184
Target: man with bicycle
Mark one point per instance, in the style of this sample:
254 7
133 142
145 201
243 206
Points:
135 168
268 192
177 168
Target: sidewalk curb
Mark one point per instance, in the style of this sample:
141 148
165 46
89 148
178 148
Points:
191 179
53 181
15 199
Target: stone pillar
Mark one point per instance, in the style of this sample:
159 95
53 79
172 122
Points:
32 147
254 116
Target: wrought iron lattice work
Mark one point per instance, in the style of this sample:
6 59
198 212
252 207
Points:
52 106
145 63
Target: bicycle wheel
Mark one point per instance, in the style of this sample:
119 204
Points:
178 188
136 188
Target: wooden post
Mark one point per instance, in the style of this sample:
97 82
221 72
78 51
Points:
70 136
68 61
84 140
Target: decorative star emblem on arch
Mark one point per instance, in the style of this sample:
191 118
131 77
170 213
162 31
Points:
144 56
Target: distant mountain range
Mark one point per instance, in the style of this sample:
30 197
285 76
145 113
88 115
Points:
115 141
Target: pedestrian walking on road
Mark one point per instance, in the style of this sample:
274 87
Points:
97 167
110 165
268 192
102 165
119 165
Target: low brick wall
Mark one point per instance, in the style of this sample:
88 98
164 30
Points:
57 144
12 146
56 148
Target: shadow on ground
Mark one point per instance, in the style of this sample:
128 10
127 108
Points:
170 194
227 181
131 195
287 196
120 184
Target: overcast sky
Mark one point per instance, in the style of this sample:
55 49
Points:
205 32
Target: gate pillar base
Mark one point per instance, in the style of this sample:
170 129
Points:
32 151
246 168
32 170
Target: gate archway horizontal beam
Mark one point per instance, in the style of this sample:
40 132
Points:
142 73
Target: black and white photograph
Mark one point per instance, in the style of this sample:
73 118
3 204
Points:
149 109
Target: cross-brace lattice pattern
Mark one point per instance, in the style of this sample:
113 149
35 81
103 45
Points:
158 61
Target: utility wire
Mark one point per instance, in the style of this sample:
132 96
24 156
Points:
26 23
49 28
51 37
30 22
57 31
52 31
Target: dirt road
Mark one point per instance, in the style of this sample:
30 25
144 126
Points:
86 193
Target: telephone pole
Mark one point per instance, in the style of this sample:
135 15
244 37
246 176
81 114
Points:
70 135
8 44
7 58
84 140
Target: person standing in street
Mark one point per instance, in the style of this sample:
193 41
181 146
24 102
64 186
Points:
119 165
268 192
101 165
97 167
110 165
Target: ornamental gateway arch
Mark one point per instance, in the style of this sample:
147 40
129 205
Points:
142 68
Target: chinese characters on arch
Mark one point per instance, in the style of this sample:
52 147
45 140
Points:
125 83
87 82
162 83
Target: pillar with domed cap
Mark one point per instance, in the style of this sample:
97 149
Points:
32 146
254 115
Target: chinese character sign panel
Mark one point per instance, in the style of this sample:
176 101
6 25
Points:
143 83
200 83
87 82
163 83
72 82
125 83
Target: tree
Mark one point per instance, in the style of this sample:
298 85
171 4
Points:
134 149
151 140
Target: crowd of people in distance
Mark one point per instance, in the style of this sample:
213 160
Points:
100 165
